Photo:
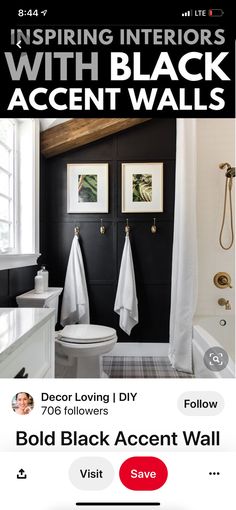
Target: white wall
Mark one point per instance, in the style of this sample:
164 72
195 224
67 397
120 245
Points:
215 144
48 123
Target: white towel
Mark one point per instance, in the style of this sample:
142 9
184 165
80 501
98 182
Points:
126 303
75 303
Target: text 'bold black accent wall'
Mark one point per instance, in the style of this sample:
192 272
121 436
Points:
153 141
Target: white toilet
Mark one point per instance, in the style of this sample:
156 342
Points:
86 343
79 344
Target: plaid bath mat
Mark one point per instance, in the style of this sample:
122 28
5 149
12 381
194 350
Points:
140 367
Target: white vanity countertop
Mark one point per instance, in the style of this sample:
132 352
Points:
16 323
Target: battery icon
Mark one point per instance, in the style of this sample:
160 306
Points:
215 12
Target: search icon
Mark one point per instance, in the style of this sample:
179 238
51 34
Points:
216 359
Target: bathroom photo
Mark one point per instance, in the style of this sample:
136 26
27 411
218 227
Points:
117 248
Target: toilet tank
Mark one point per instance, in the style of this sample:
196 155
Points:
47 299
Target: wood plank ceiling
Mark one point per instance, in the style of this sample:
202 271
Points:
77 132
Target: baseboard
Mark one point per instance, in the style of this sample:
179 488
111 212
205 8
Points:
139 349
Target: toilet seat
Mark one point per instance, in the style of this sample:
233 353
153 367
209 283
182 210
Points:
86 334
85 344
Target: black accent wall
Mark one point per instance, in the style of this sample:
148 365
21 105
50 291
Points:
152 141
14 282
152 254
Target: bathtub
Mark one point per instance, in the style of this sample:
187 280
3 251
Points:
209 332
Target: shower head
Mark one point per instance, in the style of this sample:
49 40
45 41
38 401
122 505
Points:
230 171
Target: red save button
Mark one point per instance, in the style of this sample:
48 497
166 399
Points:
143 473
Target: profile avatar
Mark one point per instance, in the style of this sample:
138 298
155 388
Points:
22 403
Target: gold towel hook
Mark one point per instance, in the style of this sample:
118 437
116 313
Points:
76 231
102 228
127 227
154 227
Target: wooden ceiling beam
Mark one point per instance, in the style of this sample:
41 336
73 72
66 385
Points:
77 132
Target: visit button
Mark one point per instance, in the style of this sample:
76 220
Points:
143 473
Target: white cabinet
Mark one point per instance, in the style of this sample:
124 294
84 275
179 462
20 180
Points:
27 344
47 299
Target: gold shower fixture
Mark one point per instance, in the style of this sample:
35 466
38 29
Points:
222 280
223 165
230 170
225 303
229 174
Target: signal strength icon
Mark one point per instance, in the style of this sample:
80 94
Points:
186 13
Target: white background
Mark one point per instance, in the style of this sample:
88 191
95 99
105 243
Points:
155 411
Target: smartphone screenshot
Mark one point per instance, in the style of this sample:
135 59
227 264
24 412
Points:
117 259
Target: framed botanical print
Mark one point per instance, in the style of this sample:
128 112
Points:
142 187
87 188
